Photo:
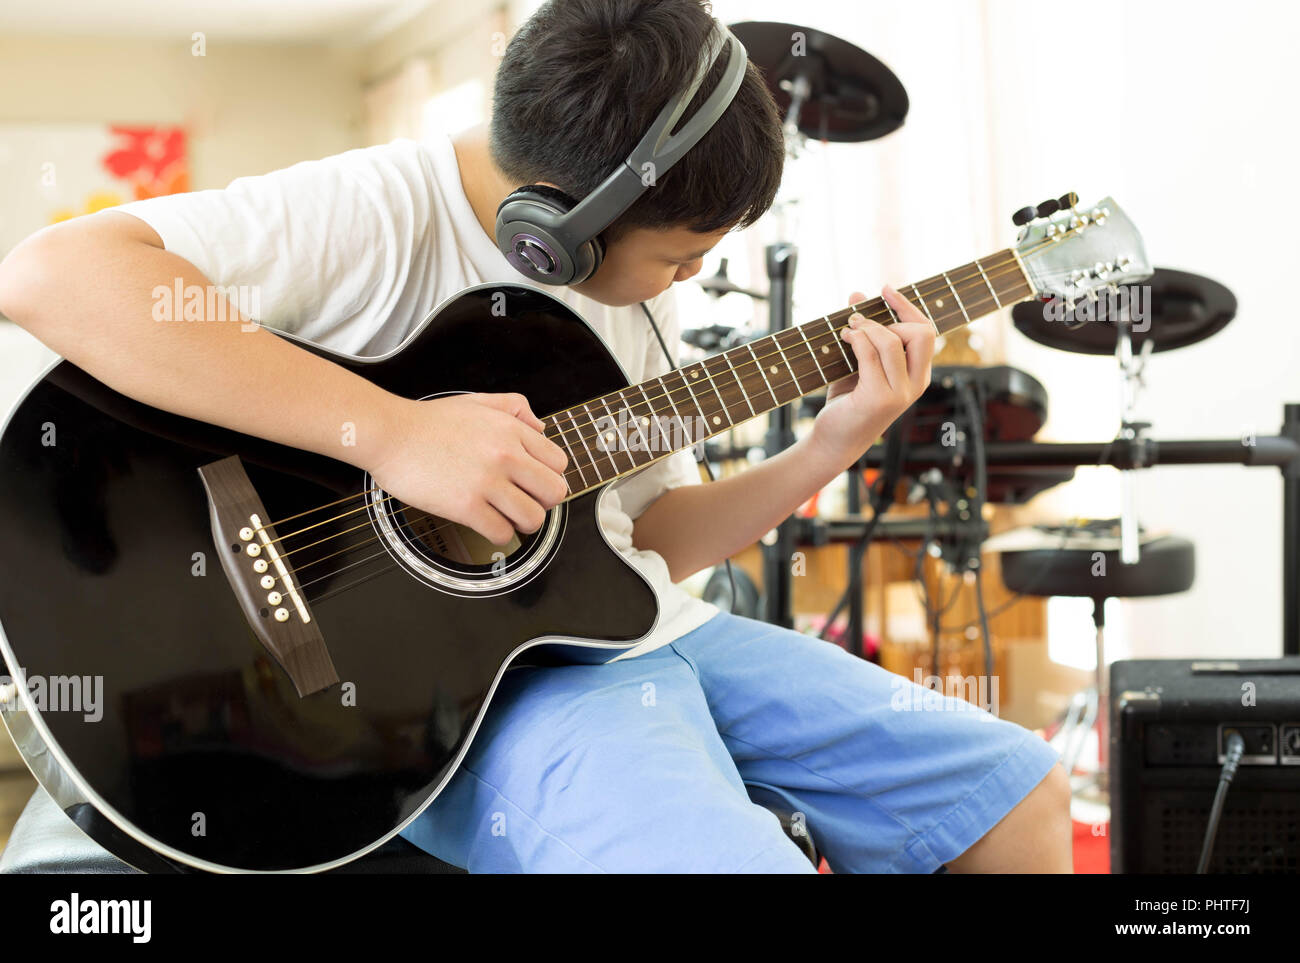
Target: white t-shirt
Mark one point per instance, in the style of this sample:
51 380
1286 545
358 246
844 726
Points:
354 251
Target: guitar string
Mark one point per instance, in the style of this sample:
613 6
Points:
412 520
356 545
756 360
831 332
669 393
666 393
383 553
726 408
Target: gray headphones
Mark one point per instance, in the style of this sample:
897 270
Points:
550 238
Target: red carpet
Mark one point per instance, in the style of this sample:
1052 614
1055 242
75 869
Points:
1091 851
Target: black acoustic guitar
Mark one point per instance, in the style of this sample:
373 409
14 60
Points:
231 655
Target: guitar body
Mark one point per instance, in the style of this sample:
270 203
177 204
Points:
199 751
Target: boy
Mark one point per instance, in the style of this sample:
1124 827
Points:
640 764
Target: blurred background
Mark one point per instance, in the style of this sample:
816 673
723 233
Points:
1179 110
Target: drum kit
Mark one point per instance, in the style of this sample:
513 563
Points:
969 440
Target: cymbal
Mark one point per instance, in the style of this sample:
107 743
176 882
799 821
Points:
1178 308
851 96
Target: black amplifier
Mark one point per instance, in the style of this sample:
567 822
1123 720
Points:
1168 719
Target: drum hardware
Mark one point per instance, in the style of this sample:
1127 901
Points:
832 91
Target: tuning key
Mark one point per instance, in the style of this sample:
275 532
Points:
1068 200
1024 216
1048 207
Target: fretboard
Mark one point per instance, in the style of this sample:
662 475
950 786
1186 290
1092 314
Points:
620 433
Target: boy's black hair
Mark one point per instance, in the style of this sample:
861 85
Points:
580 84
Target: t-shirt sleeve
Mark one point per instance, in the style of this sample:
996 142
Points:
330 250
640 490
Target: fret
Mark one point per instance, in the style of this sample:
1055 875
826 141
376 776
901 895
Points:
722 405
794 375
630 408
573 459
688 428
759 365
774 369
740 384
681 422
591 461
924 307
1024 275
813 351
992 290
687 381
650 416
839 341
887 308
619 441
797 344
957 297
559 439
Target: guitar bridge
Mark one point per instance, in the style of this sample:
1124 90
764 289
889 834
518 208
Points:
263 581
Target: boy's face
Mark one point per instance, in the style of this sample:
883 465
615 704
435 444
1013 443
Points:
643 262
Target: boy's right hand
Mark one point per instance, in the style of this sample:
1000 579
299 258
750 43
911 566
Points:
478 459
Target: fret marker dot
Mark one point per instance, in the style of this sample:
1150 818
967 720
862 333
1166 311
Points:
695 374
609 436
717 420
825 350
939 303
772 369
645 420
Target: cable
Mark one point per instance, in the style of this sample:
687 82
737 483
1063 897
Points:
1067 532
975 417
672 366
1236 749
880 496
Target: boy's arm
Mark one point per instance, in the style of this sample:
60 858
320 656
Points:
85 287
696 526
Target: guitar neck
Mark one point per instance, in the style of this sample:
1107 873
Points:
620 433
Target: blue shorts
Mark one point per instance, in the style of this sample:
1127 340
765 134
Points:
640 765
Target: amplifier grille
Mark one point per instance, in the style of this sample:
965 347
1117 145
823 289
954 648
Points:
1261 834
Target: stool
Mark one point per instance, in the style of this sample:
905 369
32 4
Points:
46 840
1166 566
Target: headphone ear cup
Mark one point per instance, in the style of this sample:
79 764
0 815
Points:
597 245
561 202
535 211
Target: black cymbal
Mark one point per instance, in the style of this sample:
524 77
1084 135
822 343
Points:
1177 308
852 96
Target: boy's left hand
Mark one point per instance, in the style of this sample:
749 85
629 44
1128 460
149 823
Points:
893 370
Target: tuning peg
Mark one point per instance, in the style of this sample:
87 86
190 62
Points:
1048 207
1068 200
1024 216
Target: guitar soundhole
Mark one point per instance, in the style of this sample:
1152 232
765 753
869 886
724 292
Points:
460 547
456 558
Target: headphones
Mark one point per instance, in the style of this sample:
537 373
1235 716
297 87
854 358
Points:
550 238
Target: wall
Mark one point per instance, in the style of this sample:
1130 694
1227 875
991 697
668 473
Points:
250 108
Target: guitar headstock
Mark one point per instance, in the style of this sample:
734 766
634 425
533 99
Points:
1079 251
